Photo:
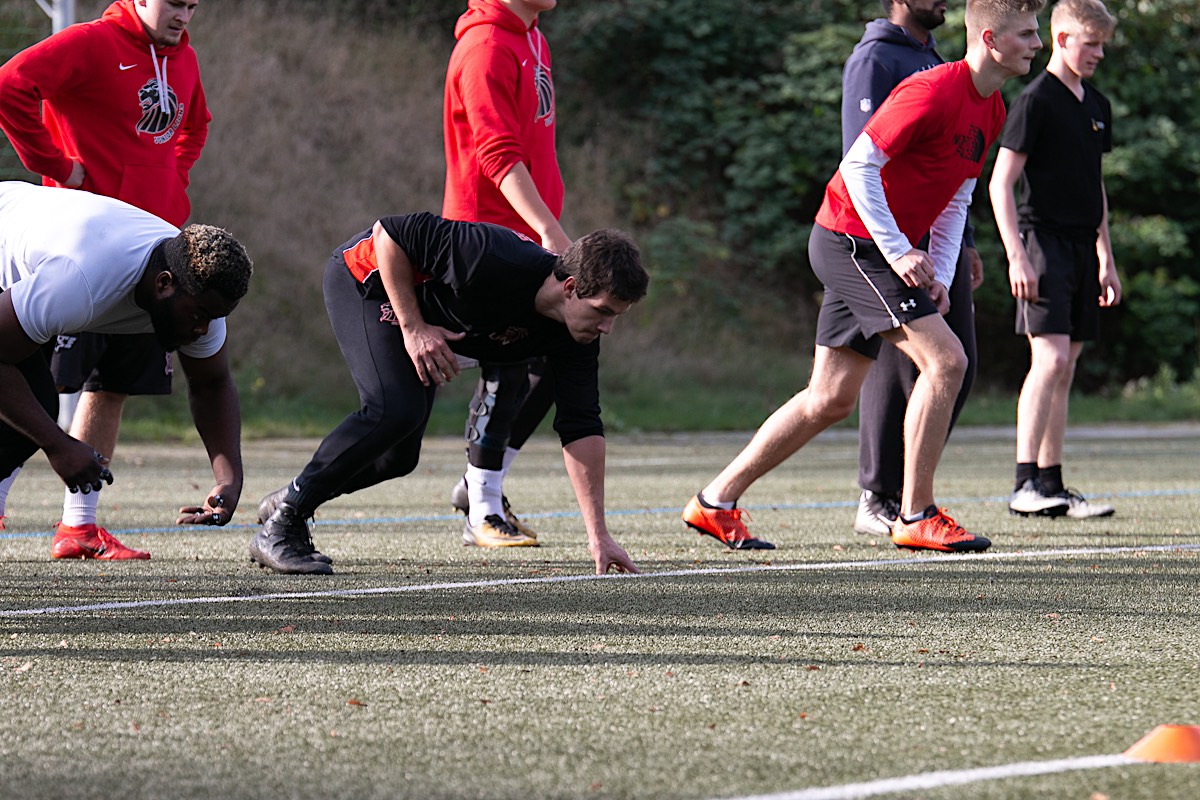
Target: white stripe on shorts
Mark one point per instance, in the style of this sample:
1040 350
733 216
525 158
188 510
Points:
874 288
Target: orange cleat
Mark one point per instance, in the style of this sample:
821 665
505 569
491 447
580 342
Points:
938 532
91 541
724 525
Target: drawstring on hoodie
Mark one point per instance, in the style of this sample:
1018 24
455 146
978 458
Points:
160 75
537 51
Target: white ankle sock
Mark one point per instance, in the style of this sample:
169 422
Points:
79 508
510 455
725 504
484 492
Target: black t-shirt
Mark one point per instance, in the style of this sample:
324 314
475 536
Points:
481 279
1064 139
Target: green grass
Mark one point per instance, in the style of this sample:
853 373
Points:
845 661
641 400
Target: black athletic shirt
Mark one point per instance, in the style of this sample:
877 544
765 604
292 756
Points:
1064 139
482 280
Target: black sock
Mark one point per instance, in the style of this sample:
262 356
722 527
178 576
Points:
1026 471
1050 479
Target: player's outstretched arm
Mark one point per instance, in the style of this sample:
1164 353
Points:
585 467
212 396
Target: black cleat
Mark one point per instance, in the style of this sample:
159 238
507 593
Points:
285 545
267 506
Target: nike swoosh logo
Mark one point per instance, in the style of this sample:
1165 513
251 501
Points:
524 61
122 67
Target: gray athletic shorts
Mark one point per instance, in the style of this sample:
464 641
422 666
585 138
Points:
863 295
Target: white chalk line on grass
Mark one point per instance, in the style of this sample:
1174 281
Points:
958 777
679 573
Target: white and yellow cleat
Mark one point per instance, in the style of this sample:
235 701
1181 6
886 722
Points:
495 531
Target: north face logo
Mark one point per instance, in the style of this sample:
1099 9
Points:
970 145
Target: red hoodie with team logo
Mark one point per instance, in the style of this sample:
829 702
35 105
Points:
498 112
92 92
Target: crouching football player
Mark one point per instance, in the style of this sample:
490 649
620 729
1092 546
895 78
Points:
408 296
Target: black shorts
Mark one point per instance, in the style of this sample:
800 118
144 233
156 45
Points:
133 364
863 294
1068 273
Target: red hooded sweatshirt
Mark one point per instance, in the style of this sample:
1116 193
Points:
92 93
499 110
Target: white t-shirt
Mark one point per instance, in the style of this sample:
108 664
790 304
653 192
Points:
71 259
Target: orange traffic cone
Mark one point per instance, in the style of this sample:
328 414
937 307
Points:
1168 744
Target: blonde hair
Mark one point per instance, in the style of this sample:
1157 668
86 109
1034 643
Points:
996 15
204 257
1089 16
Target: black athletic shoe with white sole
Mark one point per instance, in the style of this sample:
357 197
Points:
267 506
285 545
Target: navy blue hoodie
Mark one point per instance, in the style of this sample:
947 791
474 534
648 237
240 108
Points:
886 55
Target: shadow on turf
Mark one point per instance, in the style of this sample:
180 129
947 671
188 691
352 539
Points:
416 627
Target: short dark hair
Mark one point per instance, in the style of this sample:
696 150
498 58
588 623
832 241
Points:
203 257
606 260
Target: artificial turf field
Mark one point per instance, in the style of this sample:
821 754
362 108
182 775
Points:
424 669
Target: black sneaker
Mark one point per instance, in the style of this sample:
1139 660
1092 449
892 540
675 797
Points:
285 545
267 506
1032 501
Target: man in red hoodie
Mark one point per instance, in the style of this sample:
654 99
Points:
114 106
501 167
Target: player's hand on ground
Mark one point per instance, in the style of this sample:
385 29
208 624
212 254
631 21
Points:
976 265
81 468
940 296
915 268
1021 279
611 557
218 508
427 346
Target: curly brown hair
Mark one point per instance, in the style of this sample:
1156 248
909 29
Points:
203 257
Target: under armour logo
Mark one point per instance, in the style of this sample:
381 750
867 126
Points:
909 304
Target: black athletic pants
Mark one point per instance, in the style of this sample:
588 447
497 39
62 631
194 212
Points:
884 395
382 439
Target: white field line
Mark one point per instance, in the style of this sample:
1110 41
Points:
936 780
680 573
